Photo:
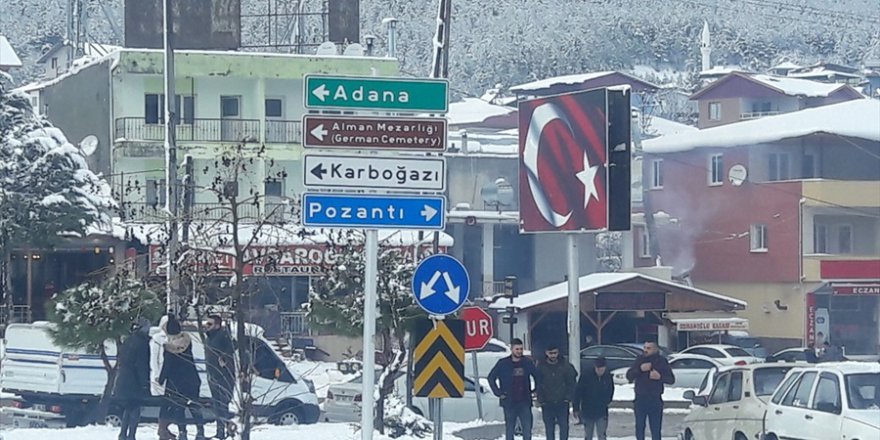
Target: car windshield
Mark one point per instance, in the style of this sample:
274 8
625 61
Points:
863 390
737 352
767 379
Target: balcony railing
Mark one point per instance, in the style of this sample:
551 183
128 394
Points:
756 115
210 130
295 324
247 213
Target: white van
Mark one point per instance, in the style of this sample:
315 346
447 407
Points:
70 382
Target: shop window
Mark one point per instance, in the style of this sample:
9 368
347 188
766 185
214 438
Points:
758 235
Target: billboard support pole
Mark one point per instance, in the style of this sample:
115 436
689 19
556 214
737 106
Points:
369 355
574 304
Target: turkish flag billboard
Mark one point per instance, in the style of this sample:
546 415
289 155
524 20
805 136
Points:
564 161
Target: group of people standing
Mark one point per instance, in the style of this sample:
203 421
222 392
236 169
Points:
163 365
560 394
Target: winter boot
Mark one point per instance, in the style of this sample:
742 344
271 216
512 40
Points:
200 432
221 430
164 433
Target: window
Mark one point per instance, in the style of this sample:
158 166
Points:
767 379
274 108
230 189
155 192
777 396
758 235
722 387
844 239
154 108
716 169
761 107
230 106
820 238
777 167
691 364
186 115
863 390
54 62
274 188
644 243
714 111
737 352
808 166
799 395
657 173
710 352
827 397
735 390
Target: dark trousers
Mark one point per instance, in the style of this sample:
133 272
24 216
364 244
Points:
555 414
521 411
652 410
221 395
175 409
131 417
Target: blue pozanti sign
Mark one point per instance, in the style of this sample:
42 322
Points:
366 211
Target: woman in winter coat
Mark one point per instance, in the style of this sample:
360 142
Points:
181 381
132 385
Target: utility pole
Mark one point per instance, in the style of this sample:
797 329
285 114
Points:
172 279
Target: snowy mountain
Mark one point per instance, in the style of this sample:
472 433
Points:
518 41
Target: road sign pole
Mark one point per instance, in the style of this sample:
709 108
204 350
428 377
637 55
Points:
369 371
574 305
438 419
477 386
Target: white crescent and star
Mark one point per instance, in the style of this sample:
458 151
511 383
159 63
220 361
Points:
543 115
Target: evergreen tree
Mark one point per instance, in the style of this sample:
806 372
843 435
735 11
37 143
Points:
96 317
46 188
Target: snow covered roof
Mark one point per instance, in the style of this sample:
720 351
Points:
596 281
495 144
721 70
788 65
88 49
8 58
798 87
823 73
566 79
857 118
664 127
474 111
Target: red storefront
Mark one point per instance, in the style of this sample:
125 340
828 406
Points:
846 309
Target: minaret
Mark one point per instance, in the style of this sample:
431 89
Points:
705 47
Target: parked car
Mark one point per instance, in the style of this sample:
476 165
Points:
793 354
836 400
689 370
488 357
725 354
734 406
750 344
637 346
616 356
343 403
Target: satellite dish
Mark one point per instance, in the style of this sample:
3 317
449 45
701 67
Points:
89 145
737 174
327 48
354 50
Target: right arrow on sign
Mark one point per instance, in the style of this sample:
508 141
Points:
428 213
319 132
452 291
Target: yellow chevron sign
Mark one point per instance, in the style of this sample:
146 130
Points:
439 358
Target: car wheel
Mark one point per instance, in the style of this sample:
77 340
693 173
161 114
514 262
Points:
113 420
289 416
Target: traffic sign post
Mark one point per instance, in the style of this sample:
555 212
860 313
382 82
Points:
440 285
374 133
367 211
478 332
439 358
371 172
376 93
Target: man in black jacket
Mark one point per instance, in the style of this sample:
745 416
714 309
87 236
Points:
220 363
510 381
555 392
649 372
594 393
132 385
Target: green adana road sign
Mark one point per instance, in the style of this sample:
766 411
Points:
376 93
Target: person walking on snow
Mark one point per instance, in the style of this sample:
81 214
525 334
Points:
220 362
510 381
181 381
133 377
649 372
595 391
555 391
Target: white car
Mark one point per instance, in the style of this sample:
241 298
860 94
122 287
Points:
343 403
725 354
733 409
487 358
689 370
826 402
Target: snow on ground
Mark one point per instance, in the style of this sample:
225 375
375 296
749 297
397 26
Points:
322 374
320 431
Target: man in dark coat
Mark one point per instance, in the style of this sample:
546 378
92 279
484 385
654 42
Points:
220 362
595 391
510 381
133 377
555 392
649 372
181 380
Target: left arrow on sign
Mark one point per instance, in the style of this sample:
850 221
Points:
319 171
428 288
321 92
319 132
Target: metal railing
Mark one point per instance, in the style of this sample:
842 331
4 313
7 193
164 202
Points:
295 324
756 115
154 212
199 129
491 288
283 132
15 314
